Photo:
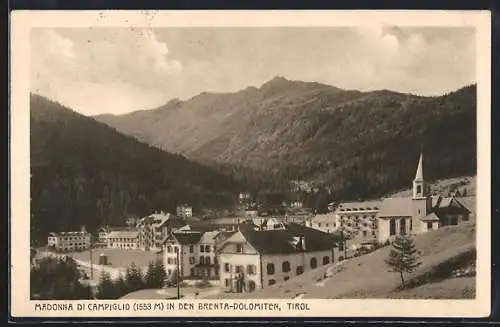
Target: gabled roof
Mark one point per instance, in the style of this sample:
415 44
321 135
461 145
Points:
430 217
396 207
184 238
284 241
209 237
449 203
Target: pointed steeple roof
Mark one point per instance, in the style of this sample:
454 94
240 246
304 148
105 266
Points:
419 176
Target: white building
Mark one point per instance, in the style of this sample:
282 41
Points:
127 240
69 241
185 211
198 252
419 213
254 258
327 223
154 228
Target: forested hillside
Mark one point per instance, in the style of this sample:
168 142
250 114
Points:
85 173
358 144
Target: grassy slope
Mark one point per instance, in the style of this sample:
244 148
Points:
367 276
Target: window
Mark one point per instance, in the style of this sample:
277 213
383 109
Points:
419 189
202 260
202 248
272 282
227 267
286 266
326 260
207 248
429 225
226 282
270 268
239 248
251 269
207 260
192 260
392 227
169 249
314 263
238 269
319 224
299 270
365 233
176 249
286 278
251 286
191 271
402 226
191 249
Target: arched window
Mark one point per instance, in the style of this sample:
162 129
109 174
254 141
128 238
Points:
251 286
207 260
169 249
326 260
314 263
286 266
202 260
402 226
270 268
392 227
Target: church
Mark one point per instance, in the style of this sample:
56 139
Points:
419 213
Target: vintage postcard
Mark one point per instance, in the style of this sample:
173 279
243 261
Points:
250 164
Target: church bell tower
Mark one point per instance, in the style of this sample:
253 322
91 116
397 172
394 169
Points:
421 199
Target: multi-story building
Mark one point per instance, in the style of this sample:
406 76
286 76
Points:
69 241
256 257
125 239
382 220
184 211
328 223
154 228
193 252
419 213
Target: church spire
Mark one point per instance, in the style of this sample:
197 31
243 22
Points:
419 176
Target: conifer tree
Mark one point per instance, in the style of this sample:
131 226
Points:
150 277
161 273
134 279
403 257
106 288
121 286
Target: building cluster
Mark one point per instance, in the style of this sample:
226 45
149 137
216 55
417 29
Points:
381 220
257 251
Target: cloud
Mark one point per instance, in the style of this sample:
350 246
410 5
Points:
103 61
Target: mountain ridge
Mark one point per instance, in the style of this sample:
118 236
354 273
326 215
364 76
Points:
83 172
345 139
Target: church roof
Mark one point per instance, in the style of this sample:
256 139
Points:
419 176
447 203
396 207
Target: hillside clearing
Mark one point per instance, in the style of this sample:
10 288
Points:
367 276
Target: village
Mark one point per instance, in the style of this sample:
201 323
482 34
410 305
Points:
255 251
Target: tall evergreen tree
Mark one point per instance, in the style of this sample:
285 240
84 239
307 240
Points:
403 257
106 288
150 278
161 273
134 278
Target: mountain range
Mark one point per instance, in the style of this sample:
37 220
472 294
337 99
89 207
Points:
85 173
358 144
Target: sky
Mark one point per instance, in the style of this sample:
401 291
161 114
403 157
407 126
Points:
119 70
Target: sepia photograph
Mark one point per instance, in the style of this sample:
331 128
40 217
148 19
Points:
277 162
